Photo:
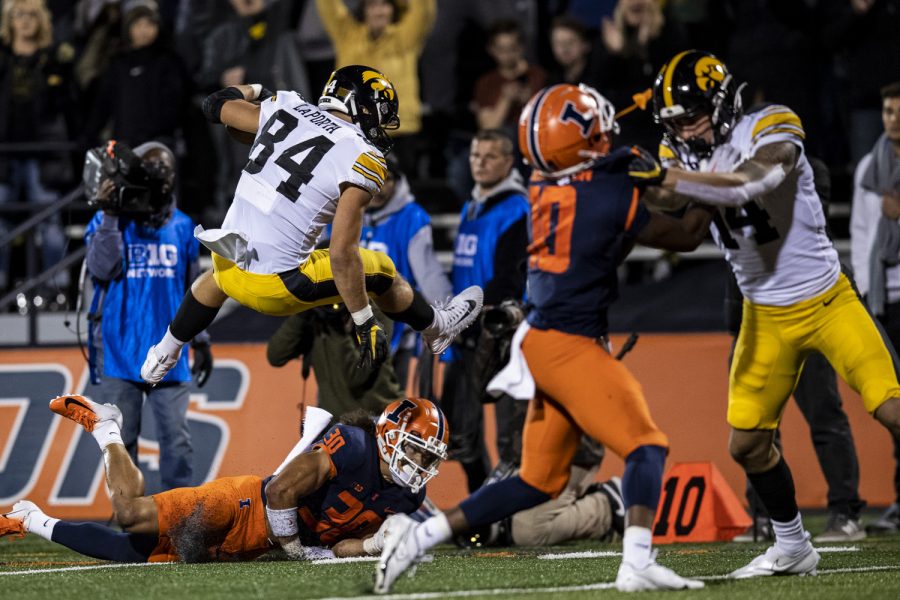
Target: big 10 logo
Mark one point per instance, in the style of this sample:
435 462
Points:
28 429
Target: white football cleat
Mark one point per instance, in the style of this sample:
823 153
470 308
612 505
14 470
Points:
776 562
452 319
652 577
84 411
401 551
22 511
155 366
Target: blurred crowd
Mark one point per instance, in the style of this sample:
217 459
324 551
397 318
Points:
77 73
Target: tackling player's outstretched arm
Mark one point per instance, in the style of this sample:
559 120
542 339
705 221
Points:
305 474
680 235
760 175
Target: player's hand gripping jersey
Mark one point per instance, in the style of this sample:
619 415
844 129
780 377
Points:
582 227
288 191
776 244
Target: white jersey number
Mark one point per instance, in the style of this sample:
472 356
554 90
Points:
300 173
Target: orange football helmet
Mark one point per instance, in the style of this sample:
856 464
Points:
564 128
412 439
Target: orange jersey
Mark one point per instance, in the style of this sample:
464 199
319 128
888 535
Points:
230 516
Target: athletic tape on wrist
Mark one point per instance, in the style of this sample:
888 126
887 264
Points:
257 90
283 521
361 316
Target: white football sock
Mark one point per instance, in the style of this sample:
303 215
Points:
106 433
790 537
433 531
636 546
40 524
169 345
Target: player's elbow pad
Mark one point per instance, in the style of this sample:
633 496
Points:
212 104
732 195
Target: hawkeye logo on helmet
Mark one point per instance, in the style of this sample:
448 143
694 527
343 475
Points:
710 73
378 82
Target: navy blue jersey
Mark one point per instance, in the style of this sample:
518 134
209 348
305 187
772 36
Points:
357 498
582 227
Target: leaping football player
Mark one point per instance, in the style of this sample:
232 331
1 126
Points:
310 165
585 216
336 495
769 223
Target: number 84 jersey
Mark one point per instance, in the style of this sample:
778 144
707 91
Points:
777 244
289 189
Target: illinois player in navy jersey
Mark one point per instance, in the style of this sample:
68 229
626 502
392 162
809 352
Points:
585 216
336 495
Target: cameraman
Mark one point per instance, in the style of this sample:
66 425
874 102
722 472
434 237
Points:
142 256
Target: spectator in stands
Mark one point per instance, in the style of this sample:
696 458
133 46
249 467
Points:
324 338
571 45
633 46
141 263
501 93
37 103
491 250
394 223
866 32
391 37
144 94
875 247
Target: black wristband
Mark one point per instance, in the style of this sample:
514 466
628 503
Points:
212 104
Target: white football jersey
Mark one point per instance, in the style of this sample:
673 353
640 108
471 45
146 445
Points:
776 244
289 189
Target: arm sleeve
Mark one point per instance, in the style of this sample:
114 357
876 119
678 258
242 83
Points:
426 269
509 264
106 248
863 222
416 23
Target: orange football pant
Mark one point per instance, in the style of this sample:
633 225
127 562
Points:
580 389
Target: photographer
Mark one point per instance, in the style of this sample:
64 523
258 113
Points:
141 256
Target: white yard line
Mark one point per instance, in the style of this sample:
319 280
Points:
561 589
837 549
585 554
84 568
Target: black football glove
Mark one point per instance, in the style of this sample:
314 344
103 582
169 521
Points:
372 343
203 362
644 169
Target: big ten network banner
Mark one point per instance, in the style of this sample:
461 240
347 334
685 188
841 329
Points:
246 419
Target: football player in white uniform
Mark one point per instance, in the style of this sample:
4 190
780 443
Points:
310 165
771 227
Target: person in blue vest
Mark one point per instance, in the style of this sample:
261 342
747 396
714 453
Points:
394 223
142 255
491 251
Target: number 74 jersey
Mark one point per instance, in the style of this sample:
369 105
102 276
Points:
289 189
777 244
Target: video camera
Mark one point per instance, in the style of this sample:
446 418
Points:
141 188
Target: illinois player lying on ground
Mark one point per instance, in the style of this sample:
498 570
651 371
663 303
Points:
335 495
